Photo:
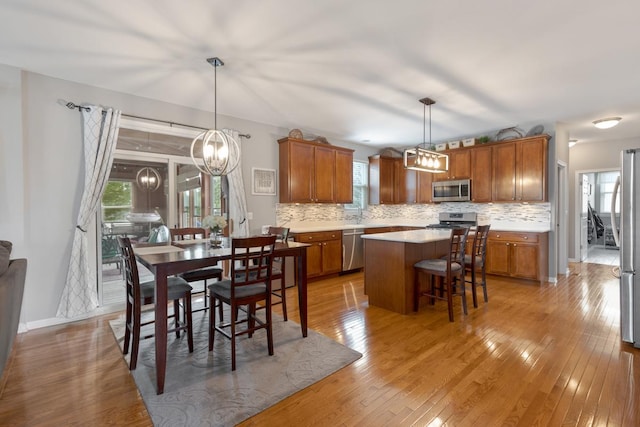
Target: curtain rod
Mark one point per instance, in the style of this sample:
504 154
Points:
72 106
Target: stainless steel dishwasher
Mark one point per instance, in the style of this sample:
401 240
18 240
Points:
352 249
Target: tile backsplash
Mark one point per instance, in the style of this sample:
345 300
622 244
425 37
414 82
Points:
316 214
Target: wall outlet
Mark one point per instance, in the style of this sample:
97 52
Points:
249 215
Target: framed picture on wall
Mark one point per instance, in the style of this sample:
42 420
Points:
263 182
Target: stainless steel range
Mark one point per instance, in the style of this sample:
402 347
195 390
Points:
455 220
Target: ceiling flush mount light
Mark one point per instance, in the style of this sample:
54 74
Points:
607 123
219 152
148 179
420 158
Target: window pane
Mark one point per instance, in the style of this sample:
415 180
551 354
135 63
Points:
360 189
116 201
606 182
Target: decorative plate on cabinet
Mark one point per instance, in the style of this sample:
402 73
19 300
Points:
295 133
536 130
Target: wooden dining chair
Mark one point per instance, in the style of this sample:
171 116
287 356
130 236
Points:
476 260
450 273
201 274
245 287
139 294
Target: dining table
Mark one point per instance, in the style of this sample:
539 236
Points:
172 258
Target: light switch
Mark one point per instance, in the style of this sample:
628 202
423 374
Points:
249 215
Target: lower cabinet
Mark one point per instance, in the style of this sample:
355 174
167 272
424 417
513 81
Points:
519 255
324 256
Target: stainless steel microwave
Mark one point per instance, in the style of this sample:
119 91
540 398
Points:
451 191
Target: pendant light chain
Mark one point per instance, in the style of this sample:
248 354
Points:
424 125
215 96
429 125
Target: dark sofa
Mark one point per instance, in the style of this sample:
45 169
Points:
12 276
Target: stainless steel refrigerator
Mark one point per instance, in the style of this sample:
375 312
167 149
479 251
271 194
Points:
629 242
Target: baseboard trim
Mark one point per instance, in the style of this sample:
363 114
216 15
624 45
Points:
53 321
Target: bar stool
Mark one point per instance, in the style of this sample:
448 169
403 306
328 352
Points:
450 272
477 260
278 272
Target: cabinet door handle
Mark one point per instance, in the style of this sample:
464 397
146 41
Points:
508 244
526 237
515 244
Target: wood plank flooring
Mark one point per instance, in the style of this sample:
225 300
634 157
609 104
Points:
532 356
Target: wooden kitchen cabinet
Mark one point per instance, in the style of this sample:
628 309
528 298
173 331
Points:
459 165
381 180
324 256
405 183
391 183
481 169
520 255
520 170
314 173
424 191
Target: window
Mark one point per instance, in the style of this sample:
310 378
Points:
360 187
605 183
117 201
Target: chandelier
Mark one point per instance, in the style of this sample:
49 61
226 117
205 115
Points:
420 158
148 179
219 152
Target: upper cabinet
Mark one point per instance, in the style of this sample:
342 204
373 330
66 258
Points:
504 171
520 170
459 165
382 171
481 170
311 172
390 182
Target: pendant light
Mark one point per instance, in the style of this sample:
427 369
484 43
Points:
148 179
420 158
219 152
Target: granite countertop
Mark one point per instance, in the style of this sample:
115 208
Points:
411 236
495 226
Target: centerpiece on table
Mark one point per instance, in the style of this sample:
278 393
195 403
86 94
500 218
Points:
215 224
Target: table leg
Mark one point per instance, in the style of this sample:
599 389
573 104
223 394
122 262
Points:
302 289
161 327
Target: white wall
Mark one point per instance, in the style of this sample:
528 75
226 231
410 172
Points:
603 155
42 173
12 185
12 172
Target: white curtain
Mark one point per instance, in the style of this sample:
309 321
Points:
238 199
100 134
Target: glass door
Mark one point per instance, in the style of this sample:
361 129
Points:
198 195
134 204
152 183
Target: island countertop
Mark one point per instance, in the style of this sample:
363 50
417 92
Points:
411 236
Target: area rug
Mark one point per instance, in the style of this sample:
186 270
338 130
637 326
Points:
200 388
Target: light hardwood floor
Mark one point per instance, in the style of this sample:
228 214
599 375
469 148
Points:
533 355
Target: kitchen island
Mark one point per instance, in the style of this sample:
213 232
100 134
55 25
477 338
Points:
388 264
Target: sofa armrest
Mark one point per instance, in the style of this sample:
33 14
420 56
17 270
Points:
11 292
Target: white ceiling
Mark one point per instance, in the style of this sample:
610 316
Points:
352 70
